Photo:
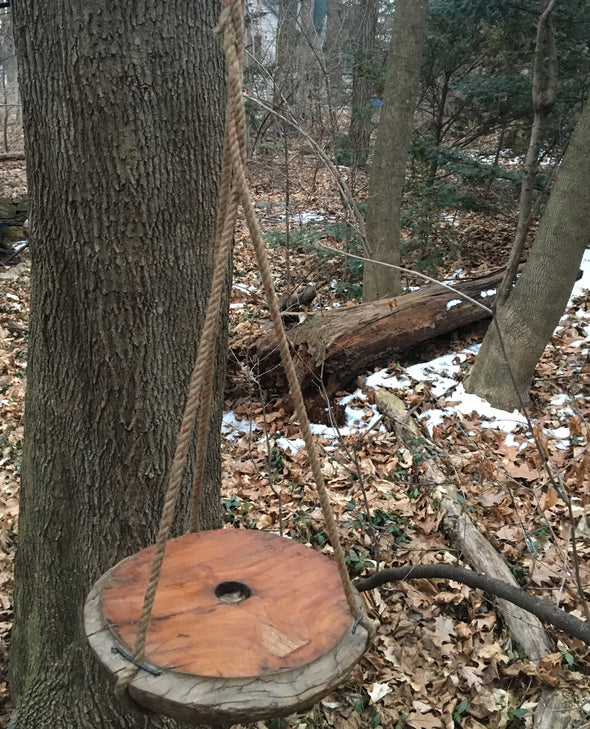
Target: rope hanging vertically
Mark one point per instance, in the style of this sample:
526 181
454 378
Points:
233 191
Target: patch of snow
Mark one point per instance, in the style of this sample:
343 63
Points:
382 379
354 416
489 292
233 428
348 398
447 364
243 288
465 403
440 374
561 435
453 302
584 281
310 216
290 444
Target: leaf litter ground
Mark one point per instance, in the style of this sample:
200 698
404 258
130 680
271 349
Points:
442 657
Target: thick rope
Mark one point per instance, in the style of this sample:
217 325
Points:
226 221
239 132
233 189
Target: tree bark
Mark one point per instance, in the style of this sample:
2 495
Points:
337 345
539 297
309 70
334 44
359 133
544 93
287 40
388 168
123 123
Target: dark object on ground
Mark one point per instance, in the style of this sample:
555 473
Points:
5 249
295 300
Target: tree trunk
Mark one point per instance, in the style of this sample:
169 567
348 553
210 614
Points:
544 93
540 295
287 40
388 168
9 69
309 70
363 73
334 44
123 123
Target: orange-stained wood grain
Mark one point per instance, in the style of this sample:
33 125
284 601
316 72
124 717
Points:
297 610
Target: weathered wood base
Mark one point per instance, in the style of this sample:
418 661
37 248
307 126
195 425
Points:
245 626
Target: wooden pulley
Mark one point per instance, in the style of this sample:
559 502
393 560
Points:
245 625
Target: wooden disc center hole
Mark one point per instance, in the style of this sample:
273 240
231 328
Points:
232 592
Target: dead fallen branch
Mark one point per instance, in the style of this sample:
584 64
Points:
12 157
544 610
521 612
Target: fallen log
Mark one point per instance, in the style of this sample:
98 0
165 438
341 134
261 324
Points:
338 344
12 157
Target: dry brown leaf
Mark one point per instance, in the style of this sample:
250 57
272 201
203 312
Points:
424 721
548 667
549 499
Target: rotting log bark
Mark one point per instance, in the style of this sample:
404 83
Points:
339 344
475 549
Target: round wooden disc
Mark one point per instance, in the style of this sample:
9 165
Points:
245 625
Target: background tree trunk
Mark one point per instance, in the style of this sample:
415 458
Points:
10 93
123 123
544 94
309 73
388 167
334 49
287 41
363 74
540 295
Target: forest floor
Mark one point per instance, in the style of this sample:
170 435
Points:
442 656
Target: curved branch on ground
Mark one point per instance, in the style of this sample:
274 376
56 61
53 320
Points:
546 612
